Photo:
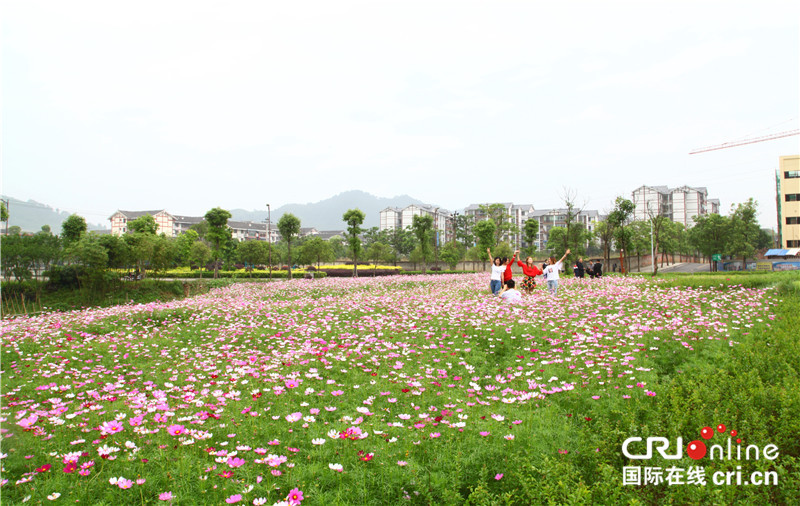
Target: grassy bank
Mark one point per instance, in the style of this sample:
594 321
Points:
33 297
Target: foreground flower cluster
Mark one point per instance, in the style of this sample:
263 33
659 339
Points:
233 393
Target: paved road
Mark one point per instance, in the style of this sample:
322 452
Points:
685 267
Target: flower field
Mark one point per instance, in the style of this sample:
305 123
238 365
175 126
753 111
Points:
420 390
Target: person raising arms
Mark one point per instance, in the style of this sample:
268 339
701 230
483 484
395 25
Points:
530 271
496 279
551 272
508 274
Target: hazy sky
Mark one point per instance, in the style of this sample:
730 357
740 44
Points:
187 105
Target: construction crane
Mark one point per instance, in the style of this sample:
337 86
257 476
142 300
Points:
751 140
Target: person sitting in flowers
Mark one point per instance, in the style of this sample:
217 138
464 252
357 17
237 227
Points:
510 293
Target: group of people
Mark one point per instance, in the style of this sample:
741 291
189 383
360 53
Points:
594 270
503 285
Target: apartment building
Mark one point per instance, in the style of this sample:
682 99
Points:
518 214
395 218
554 218
173 225
680 204
788 204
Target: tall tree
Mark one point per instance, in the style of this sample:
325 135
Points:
252 253
658 223
530 231
218 233
745 234
354 218
88 253
574 240
710 235
462 225
144 224
485 234
423 228
289 228
605 232
316 249
378 252
403 241
498 213
199 254
72 229
184 245
452 253
618 218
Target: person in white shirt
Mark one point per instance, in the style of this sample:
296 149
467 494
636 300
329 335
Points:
509 293
551 272
496 280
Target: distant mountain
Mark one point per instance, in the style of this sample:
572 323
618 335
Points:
327 214
31 215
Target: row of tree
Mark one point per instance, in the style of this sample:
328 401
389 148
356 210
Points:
210 242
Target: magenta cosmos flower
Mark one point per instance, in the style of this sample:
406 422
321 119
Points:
295 497
176 430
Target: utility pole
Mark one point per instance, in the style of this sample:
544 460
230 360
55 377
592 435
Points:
269 239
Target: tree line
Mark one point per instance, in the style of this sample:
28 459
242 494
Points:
90 259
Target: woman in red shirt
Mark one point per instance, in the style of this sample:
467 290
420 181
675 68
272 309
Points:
530 271
508 274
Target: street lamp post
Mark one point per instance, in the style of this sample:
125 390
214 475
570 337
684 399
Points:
269 239
652 244
436 243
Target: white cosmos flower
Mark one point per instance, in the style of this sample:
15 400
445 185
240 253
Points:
336 467
318 441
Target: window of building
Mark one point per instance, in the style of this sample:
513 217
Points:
791 174
793 220
793 244
792 197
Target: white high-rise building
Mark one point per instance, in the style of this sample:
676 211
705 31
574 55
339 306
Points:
395 218
680 205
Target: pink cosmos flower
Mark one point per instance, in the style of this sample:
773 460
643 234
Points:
290 383
176 430
294 417
165 496
234 499
28 421
484 433
235 462
111 427
295 497
498 476
124 483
